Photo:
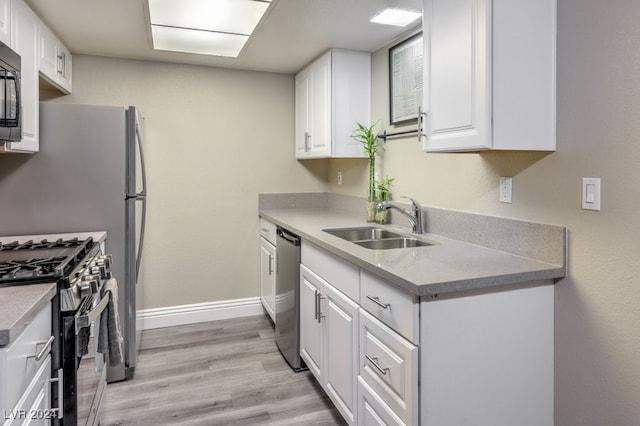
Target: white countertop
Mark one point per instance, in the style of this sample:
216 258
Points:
447 266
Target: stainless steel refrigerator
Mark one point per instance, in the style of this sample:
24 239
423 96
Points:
88 176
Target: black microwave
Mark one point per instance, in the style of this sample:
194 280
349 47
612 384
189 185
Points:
10 101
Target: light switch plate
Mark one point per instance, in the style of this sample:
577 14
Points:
591 194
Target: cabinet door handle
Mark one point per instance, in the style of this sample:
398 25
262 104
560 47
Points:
320 316
421 116
377 301
318 297
307 136
45 349
316 304
374 362
62 61
270 268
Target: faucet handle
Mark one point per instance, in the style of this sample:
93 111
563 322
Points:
415 203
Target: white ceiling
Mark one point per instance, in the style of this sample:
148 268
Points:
290 35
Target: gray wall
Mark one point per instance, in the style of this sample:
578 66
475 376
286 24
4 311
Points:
214 139
598 305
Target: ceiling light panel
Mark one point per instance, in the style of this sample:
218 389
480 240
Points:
227 16
396 17
196 41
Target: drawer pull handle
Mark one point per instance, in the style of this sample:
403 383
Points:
264 230
374 362
45 349
377 301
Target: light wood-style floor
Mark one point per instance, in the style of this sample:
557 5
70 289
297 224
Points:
225 372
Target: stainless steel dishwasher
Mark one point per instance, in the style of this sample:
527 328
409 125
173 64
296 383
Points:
287 306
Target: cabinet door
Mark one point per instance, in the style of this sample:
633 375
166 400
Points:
320 137
341 351
302 113
457 75
5 21
65 68
24 40
313 109
47 52
267 276
311 287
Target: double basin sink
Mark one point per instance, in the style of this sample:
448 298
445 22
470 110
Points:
377 238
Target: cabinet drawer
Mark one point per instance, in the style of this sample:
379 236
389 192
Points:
392 306
33 408
372 410
21 364
389 365
343 275
268 231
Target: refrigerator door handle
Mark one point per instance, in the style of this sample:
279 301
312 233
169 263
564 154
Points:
143 169
141 242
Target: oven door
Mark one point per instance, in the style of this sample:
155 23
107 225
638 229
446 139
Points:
83 366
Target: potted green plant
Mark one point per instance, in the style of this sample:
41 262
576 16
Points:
370 142
382 187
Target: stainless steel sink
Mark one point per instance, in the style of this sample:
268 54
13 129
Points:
392 243
362 233
377 238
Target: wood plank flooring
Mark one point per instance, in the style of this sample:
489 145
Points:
225 372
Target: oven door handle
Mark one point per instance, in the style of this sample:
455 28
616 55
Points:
85 320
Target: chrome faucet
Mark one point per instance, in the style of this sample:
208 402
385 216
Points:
415 216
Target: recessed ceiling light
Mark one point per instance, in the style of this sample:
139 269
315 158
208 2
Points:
396 17
197 41
209 27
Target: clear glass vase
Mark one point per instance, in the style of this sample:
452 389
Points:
371 211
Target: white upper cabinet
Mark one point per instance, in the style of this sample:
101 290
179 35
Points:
24 40
489 75
5 22
332 94
55 59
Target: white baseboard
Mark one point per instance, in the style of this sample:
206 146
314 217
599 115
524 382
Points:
199 312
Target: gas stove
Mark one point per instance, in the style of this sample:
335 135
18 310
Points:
81 271
39 261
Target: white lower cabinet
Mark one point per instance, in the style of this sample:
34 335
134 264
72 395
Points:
25 368
268 277
268 265
329 340
34 407
386 357
310 328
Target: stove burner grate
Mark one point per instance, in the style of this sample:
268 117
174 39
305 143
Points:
30 261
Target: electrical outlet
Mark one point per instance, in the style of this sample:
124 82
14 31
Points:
340 178
506 189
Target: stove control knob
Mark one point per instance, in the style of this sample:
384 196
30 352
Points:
89 285
105 260
99 270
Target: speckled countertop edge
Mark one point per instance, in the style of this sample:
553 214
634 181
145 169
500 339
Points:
446 267
20 304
